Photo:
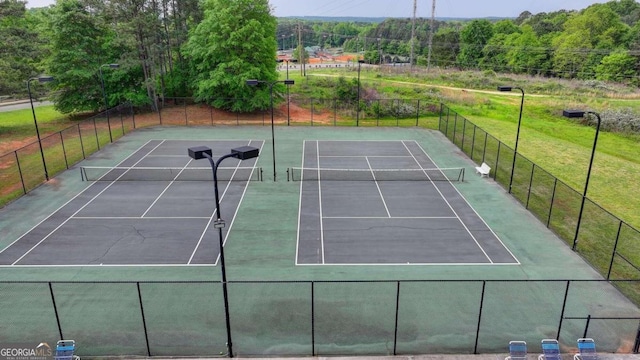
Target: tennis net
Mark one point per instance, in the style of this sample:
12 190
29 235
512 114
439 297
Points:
98 173
439 174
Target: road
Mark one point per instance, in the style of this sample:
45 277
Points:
21 104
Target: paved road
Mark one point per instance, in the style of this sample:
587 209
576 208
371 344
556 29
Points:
21 104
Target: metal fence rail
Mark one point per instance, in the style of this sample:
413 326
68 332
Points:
317 318
23 169
605 241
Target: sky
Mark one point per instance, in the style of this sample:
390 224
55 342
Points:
404 8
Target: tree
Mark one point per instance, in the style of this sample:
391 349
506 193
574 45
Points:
76 56
21 49
619 66
597 27
235 42
473 38
526 53
446 46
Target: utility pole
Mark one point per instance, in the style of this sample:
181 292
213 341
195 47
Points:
301 50
431 24
413 33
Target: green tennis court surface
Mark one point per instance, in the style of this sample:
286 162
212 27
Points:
277 307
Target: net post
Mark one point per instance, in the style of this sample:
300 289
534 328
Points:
288 174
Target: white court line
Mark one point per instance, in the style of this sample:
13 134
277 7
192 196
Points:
214 212
70 200
83 206
246 186
411 264
364 156
320 200
378 186
448 204
474 210
137 217
386 217
167 187
304 147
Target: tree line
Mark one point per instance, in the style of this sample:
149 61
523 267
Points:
207 49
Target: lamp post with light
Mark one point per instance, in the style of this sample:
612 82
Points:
358 106
579 114
41 79
104 95
515 150
241 153
254 82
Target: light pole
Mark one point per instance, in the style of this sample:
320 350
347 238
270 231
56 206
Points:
379 53
242 153
41 79
515 150
578 114
104 95
254 82
358 106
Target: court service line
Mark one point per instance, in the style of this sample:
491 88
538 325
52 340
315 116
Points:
474 210
68 201
167 187
378 187
320 201
448 204
81 208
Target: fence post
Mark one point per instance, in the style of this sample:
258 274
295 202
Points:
398 113
122 121
144 321
55 309
484 149
378 114
313 325
211 114
24 187
186 117
464 130
636 344
484 285
473 141
533 170
81 143
615 248
335 111
395 333
564 305
64 151
553 197
455 126
418 112
311 111
95 130
133 116
495 174
586 327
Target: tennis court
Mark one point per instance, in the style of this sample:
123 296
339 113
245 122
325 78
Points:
387 203
122 247
154 208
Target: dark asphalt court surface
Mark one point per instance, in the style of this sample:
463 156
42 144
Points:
386 222
140 222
